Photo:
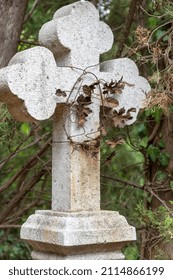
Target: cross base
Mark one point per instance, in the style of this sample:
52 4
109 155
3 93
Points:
109 255
77 235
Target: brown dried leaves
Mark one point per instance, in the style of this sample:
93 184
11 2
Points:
142 35
114 142
82 103
110 102
119 119
91 147
115 87
82 108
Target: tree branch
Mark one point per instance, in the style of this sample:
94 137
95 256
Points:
160 200
29 164
154 132
19 196
123 182
128 24
29 14
9 226
147 189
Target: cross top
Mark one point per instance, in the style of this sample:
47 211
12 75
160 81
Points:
75 40
50 80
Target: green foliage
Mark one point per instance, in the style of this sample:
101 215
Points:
154 112
159 220
12 248
127 165
25 128
131 252
155 154
161 255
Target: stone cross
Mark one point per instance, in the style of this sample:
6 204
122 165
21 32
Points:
51 80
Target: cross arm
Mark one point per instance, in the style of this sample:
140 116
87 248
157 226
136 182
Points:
135 88
28 85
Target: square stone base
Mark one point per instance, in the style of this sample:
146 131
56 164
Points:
77 235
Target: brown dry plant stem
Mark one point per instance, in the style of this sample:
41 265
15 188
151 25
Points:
128 24
28 165
19 196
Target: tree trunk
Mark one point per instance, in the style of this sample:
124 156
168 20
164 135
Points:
156 248
11 21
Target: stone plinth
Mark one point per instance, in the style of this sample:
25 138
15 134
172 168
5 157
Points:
77 235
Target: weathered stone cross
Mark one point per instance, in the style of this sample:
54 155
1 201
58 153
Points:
48 81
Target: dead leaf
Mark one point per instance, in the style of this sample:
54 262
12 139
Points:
84 100
88 90
59 92
120 118
115 87
131 110
93 146
82 109
103 131
81 121
114 142
86 111
110 102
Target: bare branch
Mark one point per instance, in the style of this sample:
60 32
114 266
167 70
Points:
9 226
123 182
19 196
128 24
154 132
28 16
160 200
147 189
29 164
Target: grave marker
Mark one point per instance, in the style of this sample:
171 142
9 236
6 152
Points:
53 80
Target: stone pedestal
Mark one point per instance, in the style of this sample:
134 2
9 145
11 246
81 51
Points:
77 235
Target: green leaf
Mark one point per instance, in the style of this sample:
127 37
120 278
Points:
161 144
160 176
153 21
144 142
157 114
25 128
131 252
153 153
164 158
154 112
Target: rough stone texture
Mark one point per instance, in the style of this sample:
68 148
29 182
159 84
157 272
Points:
109 255
75 172
46 81
76 27
30 77
77 233
136 89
